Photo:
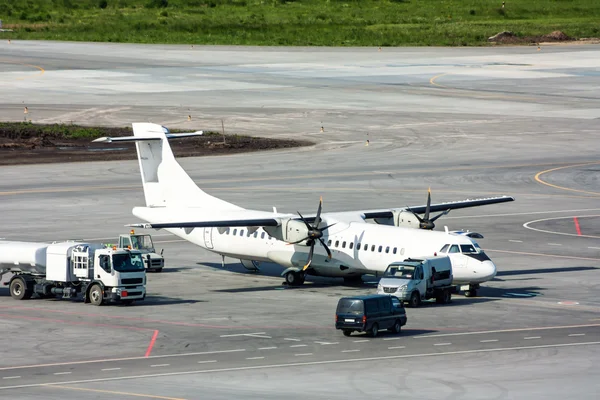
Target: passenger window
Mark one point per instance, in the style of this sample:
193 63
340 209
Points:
384 304
357 246
371 306
395 248
235 232
372 247
366 247
262 235
337 243
402 251
351 245
343 244
395 302
380 248
329 242
387 249
454 249
255 234
241 232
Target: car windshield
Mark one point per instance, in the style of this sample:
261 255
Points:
142 242
128 262
350 306
399 272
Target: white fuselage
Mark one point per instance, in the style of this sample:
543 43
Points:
384 245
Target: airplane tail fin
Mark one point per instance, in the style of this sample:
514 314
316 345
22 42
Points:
164 181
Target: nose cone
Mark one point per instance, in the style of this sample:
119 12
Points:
487 270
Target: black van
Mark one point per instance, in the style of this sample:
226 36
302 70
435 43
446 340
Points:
370 314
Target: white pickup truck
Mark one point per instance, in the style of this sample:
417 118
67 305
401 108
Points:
414 280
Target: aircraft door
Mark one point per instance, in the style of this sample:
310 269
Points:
208 238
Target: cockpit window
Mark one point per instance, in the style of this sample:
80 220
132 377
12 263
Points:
468 248
445 248
454 249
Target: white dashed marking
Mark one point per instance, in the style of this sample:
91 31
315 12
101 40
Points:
349 351
267 348
577 334
392 338
488 340
442 344
292 339
159 365
256 334
62 373
554 244
361 341
396 347
595 248
12 377
303 354
254 358
515 241
111 369
207 361
298 345
326 343
532 337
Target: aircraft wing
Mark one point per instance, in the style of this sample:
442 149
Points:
209 224
452 205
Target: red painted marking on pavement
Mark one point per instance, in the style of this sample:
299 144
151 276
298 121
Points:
151 345
577 227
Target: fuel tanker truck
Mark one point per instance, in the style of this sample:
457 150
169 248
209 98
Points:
68 269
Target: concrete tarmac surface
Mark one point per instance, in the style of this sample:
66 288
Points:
467 122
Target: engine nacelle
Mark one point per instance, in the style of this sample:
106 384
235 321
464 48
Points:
402 218
289 231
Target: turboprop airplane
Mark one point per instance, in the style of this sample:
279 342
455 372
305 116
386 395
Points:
331 244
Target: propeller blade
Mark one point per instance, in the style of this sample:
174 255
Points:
298 241
303 220
326 248
439 215
415 214
328 226
428 207
310 256
318 217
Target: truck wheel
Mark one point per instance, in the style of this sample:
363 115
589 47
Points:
415 299
397 326
347 332
19 289
447 296
96 295
374 330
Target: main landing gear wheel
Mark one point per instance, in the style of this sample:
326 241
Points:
472 292
294 278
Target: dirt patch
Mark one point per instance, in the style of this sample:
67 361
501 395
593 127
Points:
36 144
553 37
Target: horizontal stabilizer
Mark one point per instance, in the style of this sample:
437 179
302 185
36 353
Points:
146 138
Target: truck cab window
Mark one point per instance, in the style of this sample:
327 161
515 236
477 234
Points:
454 249
105 263
445 248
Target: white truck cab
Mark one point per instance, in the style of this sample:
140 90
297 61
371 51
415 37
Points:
143 242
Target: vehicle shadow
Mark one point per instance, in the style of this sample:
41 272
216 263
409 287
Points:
162 301
542 271
169 270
